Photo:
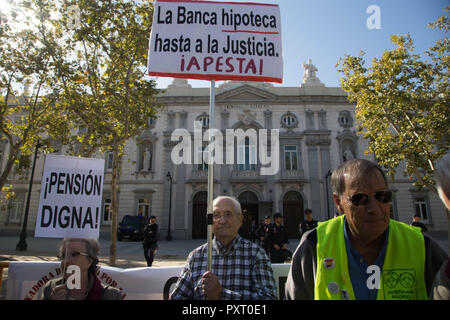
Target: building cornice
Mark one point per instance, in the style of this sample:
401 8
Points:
204 100
250 94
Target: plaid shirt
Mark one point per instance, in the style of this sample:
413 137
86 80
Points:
244 272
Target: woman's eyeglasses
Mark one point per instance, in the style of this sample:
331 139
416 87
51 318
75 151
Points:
361 199
72 254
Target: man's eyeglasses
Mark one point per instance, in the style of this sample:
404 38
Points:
226 215
72 254
361 199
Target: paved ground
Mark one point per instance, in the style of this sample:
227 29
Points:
129 254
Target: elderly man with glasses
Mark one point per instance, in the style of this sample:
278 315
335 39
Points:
241 269
363 254
82 253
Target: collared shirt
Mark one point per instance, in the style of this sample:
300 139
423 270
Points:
244 272
357 268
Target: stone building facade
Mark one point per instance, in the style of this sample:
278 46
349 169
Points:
316 133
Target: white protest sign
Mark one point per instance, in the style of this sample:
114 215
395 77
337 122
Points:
71 198
216 41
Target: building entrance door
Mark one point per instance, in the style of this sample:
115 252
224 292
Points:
292 213
250 209
199 208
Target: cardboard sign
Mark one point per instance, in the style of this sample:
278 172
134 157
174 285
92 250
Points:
216 41
71 198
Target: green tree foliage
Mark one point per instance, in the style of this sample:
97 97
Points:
26 109
101 52
402 104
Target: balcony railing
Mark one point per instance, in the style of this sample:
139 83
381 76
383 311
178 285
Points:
246 175
292 175
198 176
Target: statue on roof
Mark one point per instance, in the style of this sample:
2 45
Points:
309 76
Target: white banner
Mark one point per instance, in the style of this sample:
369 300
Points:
216 41
71 198
26 280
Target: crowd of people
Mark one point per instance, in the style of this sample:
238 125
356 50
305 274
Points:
331 261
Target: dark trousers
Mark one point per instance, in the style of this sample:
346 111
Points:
149 254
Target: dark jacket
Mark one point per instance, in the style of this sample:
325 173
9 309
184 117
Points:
263 231
308 225
420 225
277 235
151 234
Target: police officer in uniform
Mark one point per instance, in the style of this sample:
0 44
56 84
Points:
277 240
309 223
262 233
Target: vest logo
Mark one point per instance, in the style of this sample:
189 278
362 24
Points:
328 263
400 284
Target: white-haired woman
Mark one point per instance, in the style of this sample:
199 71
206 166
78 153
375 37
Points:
84 254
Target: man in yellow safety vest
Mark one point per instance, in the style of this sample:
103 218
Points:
362 253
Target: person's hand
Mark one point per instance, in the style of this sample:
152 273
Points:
285 246
211 286
59 293
277 247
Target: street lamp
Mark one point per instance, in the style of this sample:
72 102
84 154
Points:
22 245
328 198
169 176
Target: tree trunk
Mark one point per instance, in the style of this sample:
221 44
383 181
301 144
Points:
9 165
114 204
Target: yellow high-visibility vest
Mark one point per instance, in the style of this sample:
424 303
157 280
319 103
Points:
401 278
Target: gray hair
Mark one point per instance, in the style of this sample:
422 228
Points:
236 204
442 176
92 249
356 168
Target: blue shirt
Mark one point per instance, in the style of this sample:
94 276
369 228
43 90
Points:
357 268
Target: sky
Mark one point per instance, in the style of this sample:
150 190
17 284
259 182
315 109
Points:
326 30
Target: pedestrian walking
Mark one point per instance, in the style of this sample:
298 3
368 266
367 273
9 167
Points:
150 243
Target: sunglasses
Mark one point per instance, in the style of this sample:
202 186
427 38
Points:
72 254
361 199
